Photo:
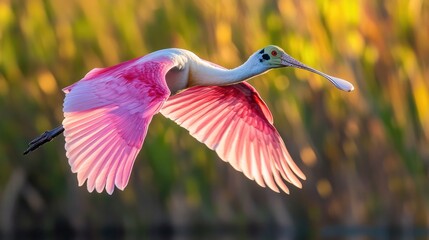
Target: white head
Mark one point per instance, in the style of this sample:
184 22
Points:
275 57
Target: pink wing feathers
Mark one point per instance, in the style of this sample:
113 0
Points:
235 122
106 119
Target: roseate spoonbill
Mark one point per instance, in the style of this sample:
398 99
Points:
107 114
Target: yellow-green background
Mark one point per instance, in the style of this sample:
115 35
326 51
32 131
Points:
365 153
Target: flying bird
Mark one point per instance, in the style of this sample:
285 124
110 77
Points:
107 115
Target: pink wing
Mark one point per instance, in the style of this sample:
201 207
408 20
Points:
235 122
106 119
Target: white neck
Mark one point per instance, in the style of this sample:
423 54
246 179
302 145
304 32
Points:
206 74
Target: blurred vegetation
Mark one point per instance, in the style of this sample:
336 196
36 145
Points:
365 153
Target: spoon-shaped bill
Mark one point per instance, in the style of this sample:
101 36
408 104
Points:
338 82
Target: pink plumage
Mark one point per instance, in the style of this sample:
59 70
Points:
107 115
235 122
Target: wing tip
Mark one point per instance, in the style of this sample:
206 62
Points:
99 188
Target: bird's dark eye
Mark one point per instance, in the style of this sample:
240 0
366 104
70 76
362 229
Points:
274 53
266 56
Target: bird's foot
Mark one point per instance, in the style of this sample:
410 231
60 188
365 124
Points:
44 138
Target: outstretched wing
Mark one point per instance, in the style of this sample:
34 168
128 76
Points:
107 115
235 122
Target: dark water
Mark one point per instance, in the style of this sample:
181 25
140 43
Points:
223 232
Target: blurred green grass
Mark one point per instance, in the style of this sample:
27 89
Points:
365 153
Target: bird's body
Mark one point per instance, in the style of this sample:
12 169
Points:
108 112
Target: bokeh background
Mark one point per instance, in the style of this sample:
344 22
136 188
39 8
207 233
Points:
365 153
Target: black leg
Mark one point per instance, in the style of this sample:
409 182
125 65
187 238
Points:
44 138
